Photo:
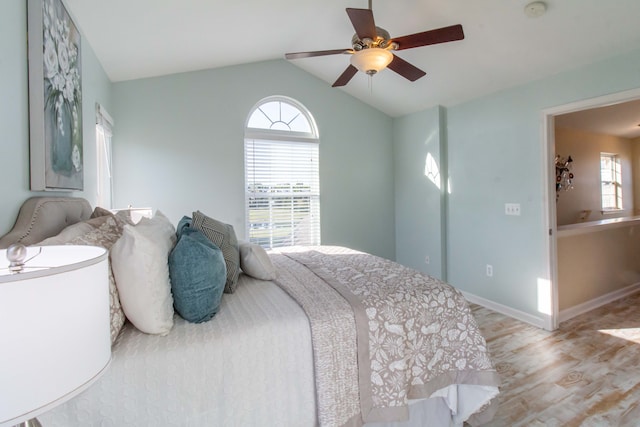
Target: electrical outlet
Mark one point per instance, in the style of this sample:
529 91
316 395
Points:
489 270
427 260
512 209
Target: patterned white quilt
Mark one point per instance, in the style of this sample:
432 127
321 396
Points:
414 334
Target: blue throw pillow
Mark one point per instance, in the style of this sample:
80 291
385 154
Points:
198 275
184 223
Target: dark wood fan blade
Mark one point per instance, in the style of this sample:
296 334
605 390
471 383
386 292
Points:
363 23
346 76
441 35
406 70
296 55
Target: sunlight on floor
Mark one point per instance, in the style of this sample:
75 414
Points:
629 334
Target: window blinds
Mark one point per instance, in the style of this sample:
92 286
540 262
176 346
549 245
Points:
282 193
104 122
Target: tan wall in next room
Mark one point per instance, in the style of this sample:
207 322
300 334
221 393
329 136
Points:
585 148
597 263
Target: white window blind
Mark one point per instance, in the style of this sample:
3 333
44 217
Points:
282 192
104 123
611 181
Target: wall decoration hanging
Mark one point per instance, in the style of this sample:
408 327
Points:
564 176
55 98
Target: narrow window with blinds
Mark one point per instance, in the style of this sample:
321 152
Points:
610 182
104 124
282 175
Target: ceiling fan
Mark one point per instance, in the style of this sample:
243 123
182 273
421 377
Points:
372 47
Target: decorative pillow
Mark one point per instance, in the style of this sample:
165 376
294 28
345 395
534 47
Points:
198 274
125 215
75 230
122 216
106 235
255 261
98 212
139 260
223 236
185 222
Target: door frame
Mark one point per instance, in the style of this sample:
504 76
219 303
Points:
551 322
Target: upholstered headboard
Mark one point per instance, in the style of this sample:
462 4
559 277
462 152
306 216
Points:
42 217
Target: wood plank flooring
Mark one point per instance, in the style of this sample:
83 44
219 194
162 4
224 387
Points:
586 373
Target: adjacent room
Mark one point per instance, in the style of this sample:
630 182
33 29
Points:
480 144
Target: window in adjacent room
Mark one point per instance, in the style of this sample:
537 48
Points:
282 191
104 124
610 182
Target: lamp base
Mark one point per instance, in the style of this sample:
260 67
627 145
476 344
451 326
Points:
33 422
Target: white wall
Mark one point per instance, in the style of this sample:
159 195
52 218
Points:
585 148
179 143
14 113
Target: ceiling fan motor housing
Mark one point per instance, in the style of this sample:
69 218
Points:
381 40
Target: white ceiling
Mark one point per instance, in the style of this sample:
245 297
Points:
503 47
621 119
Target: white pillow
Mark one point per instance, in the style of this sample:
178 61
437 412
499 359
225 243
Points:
255 261
139 260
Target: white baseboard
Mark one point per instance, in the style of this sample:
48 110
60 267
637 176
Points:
507 311
576 310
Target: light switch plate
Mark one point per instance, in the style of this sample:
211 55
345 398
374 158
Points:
512 209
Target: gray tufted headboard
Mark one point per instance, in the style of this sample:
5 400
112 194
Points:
42 217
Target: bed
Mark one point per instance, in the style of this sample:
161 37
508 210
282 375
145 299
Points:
337 338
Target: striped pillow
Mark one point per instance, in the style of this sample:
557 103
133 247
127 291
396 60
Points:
223 236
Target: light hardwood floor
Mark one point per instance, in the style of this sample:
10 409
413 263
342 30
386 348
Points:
586 373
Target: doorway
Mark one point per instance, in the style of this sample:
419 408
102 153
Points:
549 117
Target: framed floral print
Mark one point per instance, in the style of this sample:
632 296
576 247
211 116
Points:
55 98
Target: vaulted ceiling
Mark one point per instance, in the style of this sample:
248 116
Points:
502 47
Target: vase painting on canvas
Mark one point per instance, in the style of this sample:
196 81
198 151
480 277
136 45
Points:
55 98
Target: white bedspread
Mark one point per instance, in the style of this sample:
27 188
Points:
251 365
242 376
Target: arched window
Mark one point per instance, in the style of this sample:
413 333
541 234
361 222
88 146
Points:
282 192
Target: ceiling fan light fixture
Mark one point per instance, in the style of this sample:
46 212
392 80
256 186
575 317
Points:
372 60
371 46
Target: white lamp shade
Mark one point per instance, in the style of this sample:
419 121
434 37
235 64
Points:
54 329
371 60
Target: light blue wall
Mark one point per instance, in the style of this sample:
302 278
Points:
178 146
493 149
420 215
14 113
495 156
178 143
